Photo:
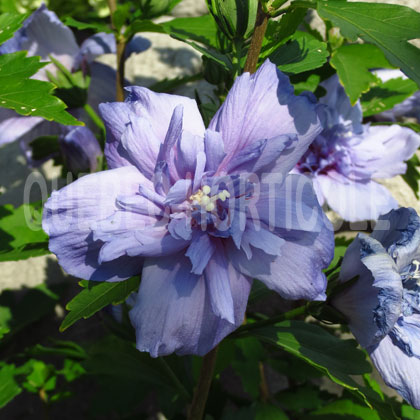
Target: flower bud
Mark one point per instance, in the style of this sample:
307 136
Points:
236 18
80 150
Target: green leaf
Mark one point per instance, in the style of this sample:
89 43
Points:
353 62
61 348
269 412
412 174
21 234
344 409
9 389
305 397
301 53
42 376
168 85
310 84
248 353
119 368
97 27
257 411
9 24
42 147
95 296
278 31
334 357
29 96
386 95
409 413
142 25
18 313
388 26
338 359
201 29
5 319
71 370
341 244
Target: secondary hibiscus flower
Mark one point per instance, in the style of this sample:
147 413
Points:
383 306
199 212
347 157
44 35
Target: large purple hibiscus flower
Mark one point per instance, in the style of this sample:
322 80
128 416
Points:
200 212
347 157
383 306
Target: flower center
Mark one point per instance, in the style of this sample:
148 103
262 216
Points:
206 201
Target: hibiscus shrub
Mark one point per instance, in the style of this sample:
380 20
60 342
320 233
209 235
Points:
229 246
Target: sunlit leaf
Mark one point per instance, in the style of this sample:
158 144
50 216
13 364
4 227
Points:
353 64
386 95
21 234
388 26
9 24
302 52
9 388
95 296
29 96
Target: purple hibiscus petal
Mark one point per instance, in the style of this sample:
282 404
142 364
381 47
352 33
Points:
260 237
152 241
141 145
262 155
218 284
214 149
180 227
116 116
398 370
288 203
159 107
94 46
179 192
43 34
406 334
372 304
102 84
13 125
68 216
355 201
399 231
296 273
200 251
388 148
338 108
251 105
81 150
173 311
188 148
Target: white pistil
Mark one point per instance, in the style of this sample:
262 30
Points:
202 198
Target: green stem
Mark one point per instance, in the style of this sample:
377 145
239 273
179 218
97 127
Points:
94 117
121 44
256 41
292 314
202 390
182 390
